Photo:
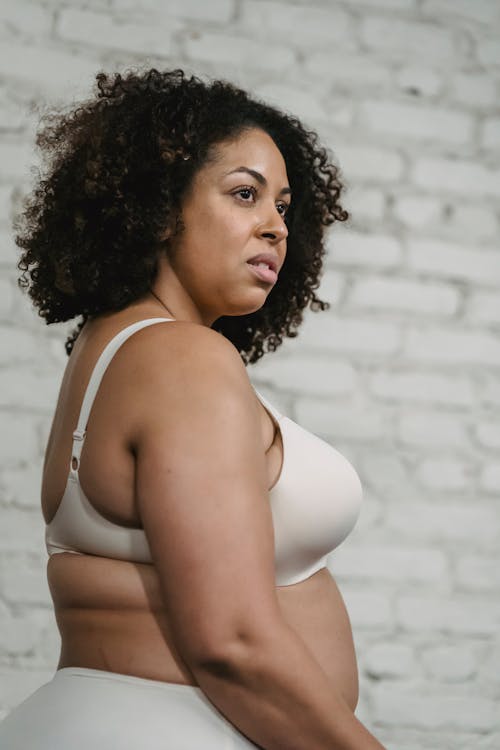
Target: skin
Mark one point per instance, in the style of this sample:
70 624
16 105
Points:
206 276
111 614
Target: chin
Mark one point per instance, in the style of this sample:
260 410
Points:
252 304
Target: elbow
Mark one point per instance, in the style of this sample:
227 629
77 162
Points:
227 657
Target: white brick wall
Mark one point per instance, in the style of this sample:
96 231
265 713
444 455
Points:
402 374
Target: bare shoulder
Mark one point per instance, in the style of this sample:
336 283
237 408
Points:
181 342
175 370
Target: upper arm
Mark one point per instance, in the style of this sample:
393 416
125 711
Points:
201 491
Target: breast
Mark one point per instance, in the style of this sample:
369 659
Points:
315 503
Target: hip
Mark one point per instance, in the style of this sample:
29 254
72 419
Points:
82 708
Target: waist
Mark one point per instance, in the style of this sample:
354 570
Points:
127 679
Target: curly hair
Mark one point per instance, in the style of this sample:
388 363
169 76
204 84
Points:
116 169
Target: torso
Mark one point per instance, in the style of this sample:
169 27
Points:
110 613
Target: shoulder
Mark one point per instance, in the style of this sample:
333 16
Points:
181 338
179 366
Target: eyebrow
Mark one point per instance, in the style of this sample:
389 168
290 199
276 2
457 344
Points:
259 177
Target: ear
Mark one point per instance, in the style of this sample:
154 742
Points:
165 234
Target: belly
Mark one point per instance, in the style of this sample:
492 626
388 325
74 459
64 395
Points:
111 616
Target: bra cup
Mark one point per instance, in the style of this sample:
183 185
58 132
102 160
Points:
313 508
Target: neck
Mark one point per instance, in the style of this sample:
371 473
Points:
161 303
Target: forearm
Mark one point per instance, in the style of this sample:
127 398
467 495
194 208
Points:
281 699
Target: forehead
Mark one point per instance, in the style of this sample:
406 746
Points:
254 148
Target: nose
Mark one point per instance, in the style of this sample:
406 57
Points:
274 228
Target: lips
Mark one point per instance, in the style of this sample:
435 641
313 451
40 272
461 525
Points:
270 259
264 274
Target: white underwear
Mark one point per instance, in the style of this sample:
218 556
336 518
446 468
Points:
89 708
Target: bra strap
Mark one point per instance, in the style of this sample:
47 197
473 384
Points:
95 380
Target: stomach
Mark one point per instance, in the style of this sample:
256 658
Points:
114 619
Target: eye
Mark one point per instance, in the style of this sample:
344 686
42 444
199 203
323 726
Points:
253 191
250 189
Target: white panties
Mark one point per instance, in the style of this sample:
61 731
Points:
90 709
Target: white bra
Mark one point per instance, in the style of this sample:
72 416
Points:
315 502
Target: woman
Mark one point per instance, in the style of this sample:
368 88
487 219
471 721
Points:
188 521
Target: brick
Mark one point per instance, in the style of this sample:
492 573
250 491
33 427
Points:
489 480
483 307
490 391
450 663
468 178
341 420
47 71
16 158
28 586
471 223
6 200
446 259
481 11
15 117
390 660
21 532
302 24
421 387
19 634
9 252
488 52
332 287
309 374
444 346
422 706
360 162
350 248
349 70
428 428
412 738
16 686
473 90
490 133
478 573
20 486
404 40
103 30
367 610
445 474
417 79
387 472
398 5
419 122
340 115
390 563
371 513
417 211
476 525
461 614
20 347
303 103
25 18
34 390
488 434
18 439
242 53
349 335
490 667
6 302
364 203
402 295
217 11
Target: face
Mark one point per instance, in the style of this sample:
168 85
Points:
230 216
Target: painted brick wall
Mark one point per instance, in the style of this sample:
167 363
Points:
401 374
